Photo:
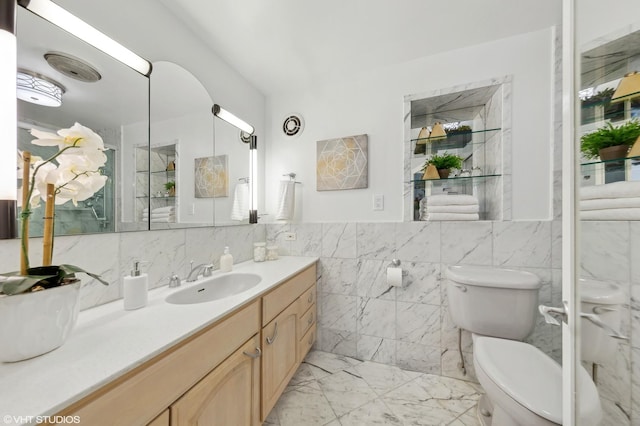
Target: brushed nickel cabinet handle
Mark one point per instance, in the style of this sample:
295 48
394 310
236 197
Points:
310 299
311 339
272 339
255 355
310 319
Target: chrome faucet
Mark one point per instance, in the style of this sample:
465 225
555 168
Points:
174 281
195 271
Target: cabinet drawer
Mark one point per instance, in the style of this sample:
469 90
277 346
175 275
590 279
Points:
307 299
306 343
276 301
306 320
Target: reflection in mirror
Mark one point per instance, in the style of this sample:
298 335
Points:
234 208
609 201
178 176
115 106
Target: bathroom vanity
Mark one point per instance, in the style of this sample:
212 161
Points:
167 364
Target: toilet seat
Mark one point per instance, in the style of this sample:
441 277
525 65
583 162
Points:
532 379
484 276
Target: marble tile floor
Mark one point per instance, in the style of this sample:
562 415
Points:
336 390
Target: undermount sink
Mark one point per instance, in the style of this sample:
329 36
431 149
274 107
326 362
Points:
215 288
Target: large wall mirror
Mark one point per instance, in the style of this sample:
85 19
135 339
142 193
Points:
171 163
98 92
609 208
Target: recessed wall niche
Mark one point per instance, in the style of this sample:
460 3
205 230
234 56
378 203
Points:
477 119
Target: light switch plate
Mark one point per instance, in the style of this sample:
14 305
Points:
378 202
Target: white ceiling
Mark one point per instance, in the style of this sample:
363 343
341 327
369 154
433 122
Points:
278 45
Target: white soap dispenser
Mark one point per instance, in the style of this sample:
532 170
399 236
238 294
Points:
226 261
134 288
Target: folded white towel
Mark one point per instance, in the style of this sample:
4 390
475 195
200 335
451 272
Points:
611 190
167 209
609 203
240 208
163 219
450 200
161 215
453 216
286 200
611 214
466 208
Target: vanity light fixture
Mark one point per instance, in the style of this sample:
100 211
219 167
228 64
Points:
38 89
225 115
72 24
628 88
252 140
8 120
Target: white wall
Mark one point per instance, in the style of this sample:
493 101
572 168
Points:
150 30
373 104
595 19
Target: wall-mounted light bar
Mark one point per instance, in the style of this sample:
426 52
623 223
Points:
76 26
253 187
225 115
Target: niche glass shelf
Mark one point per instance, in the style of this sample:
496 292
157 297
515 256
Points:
459 179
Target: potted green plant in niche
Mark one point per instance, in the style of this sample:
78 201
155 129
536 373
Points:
610 142
171 188
444 163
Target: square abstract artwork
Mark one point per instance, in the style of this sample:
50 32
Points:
211 177
342 163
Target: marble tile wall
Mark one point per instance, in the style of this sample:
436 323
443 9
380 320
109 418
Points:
112 255
610 251
363 317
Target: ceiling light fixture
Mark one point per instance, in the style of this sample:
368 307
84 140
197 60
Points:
38 89
76 26
628 88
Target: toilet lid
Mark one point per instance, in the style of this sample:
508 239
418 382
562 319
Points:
533 379
600 293
493 277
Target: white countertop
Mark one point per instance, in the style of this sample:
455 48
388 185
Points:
108 341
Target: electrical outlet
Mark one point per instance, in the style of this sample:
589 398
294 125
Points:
290 236
193 209
378 202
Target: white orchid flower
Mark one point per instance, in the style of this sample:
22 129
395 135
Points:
77 136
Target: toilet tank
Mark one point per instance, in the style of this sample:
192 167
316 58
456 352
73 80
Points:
493 301
605 300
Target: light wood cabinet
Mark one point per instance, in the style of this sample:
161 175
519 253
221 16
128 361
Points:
161 420
279 356
230 373
288 332
229 395
139 396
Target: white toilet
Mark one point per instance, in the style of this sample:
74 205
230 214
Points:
604 300
523 385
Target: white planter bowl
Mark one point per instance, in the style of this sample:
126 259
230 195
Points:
33 324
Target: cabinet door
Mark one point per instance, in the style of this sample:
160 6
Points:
229 395
279 352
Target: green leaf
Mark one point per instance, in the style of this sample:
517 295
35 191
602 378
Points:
71 269
46 276
19 284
